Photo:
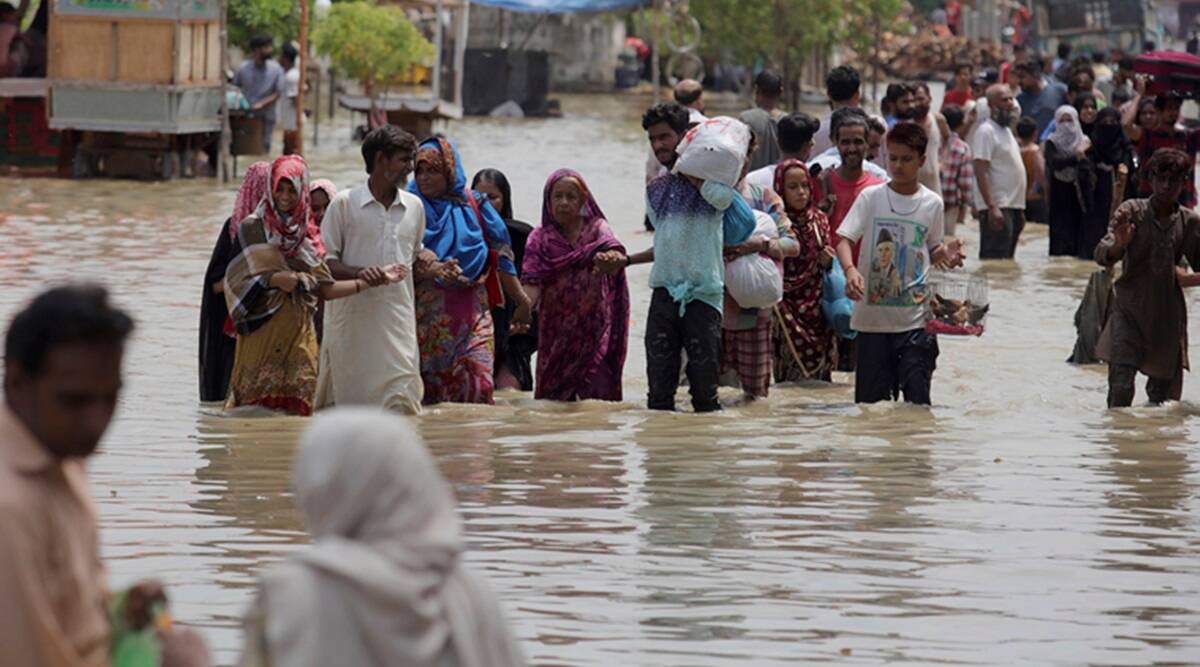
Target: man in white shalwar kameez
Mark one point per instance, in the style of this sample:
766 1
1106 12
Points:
369 354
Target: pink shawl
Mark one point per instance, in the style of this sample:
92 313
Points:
583 323
251 192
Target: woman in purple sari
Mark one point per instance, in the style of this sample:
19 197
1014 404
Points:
584 314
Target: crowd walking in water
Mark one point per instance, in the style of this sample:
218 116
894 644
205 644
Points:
437 294
784 248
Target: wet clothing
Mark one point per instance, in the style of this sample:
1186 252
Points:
1001 243
1006 168
692 227
454 324
52 588
216 346
275 361
746 353
584 321
1091 316
803 341
514 352
898 233
275 364
746 332
1121 389
454 333
370 356
696 330
1147 326
893 364
1072 188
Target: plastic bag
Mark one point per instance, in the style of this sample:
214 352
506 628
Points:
837 307
714 150
756 281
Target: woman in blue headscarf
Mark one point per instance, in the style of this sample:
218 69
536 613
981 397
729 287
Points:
454 321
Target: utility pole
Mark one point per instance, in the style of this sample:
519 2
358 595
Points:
303 67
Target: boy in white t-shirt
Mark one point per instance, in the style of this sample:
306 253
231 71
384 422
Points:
901 226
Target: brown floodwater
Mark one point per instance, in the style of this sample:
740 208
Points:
1017 521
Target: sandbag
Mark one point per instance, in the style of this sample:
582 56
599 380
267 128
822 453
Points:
756 281
714 150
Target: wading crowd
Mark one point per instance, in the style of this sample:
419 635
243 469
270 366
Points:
402 292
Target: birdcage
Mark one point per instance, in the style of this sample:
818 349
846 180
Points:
958 303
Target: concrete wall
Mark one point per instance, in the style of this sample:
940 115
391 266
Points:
583 47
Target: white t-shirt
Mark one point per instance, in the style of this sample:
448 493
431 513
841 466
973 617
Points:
1006 175
764 178
897 231
287 101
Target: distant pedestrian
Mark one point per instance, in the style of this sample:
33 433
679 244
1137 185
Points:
1000 178
1038 99
958 172
797 132
843 87
1072 181
262 82
762 119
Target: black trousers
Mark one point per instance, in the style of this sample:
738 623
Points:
1121 378
1002 243
698 331
891 364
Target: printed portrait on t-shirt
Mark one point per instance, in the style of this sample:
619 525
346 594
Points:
897 269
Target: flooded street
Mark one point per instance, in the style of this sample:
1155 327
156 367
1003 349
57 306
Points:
1015 522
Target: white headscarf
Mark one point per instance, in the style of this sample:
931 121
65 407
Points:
384 582
1066 136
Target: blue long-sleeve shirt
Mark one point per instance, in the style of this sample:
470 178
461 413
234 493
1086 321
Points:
691 229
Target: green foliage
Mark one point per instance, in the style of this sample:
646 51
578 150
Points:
782 33
277 18
377 45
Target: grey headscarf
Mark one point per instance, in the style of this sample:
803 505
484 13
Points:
384 582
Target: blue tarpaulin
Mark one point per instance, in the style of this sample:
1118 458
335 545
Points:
561 6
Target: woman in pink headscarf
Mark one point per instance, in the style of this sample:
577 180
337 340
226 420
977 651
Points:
320 193
272 287
584 314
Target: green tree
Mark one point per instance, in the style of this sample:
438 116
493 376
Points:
277 18
781 33
377 45
871 18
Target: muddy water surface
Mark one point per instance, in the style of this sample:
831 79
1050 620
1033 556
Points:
1015 522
